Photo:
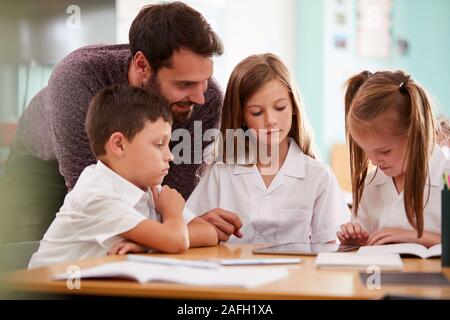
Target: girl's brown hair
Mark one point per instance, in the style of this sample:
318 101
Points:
370 95
247 78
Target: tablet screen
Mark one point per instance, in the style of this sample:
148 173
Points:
305 248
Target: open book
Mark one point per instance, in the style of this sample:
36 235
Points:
148 272
414 249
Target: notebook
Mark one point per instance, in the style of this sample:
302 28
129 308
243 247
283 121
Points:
144 272
413 249
354 261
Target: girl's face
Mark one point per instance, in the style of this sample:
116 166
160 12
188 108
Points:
385 150
269 113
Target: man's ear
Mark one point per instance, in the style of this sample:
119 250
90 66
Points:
116 144
142 66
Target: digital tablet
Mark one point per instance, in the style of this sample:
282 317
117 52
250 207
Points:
309 249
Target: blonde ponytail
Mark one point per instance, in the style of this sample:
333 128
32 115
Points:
367 97
359 162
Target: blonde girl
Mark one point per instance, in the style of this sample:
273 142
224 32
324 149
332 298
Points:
389 121
290 197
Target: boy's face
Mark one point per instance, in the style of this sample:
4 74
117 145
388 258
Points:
147 155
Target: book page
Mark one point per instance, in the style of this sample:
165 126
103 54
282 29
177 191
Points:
401 248
147 272
435 251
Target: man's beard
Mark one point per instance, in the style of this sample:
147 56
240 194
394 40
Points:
154 88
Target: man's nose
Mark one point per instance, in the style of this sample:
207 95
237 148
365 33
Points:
198 93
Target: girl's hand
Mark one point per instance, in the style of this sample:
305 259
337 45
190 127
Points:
352 233
391 235
125 247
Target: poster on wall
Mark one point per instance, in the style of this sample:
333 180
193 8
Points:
374 28
340 24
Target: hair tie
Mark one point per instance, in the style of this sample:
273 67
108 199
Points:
367 74
402 87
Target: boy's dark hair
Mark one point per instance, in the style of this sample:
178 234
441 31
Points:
160 29
121 108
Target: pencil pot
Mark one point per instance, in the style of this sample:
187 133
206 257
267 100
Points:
445 232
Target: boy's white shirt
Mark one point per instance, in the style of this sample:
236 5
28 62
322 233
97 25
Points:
101 206
382 207
303 200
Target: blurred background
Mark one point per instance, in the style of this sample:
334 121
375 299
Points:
323 42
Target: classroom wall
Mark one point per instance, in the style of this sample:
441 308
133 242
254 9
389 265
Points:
427 25
322 68
309 67
246 27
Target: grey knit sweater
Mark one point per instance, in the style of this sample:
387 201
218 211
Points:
52 126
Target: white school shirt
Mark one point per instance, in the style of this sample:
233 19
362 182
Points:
382 206
101 206
303 203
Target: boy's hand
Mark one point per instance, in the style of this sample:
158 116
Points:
352 233
168 202
225 222
126 246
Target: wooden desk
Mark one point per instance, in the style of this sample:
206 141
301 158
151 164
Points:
304 281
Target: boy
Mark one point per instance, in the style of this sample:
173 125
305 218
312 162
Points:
115 203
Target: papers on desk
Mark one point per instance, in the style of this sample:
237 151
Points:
212 263
175 262
256 262
247 277
354 261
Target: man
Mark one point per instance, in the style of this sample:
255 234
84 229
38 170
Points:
170 50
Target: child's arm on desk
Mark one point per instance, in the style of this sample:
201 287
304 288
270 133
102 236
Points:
201 233
126 246
398 235
171 235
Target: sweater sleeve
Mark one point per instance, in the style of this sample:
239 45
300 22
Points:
70 94
183 176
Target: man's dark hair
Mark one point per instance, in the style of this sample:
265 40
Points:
160 29
121 108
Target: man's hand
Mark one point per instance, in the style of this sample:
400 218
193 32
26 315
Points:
226 223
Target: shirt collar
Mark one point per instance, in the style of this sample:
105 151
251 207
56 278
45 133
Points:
130 192
293 166
436 165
